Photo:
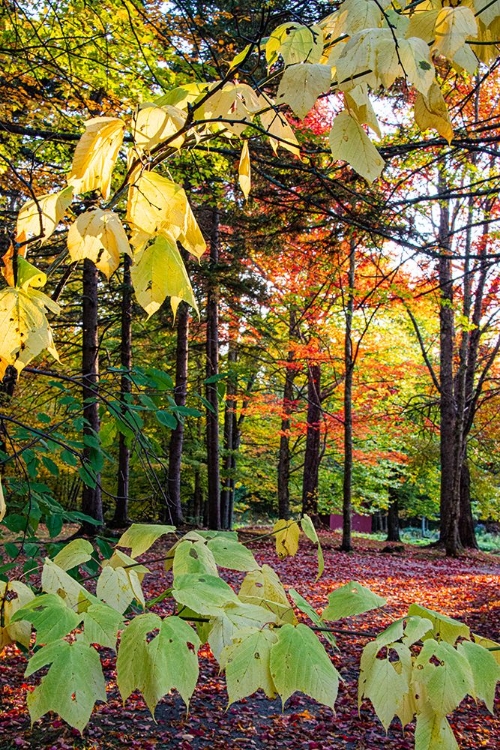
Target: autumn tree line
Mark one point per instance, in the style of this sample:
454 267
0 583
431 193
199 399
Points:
340 351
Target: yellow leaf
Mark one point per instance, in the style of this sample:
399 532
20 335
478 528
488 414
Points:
453 27
13 632
244 170
96 154
234 105
287 538
264 588
295 43
39 218
183 95
153 125
159 272
416 63
356 15
487 11
422 23
24 329
465 59
360 106
350 143
431 112
280 132
301 85
98 235
158 205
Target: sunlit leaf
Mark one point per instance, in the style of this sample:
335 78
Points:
301 85
100 236
159 272
95 155
244 170
40 218
349 142
287 535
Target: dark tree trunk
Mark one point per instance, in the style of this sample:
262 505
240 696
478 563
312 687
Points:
284 450
466 523
449 509
211 392
120 518
230 441
172 511
346 545
312 456
7 387
393 522
91 496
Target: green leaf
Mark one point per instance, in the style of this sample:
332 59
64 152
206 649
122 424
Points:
247 664
160 272
383 685
443 628
193 557
485 671
231 554
433 732
50 465
446 683
204 594
72 685
166 662
239 58
349 600
234 617
55 580
75 553
119 586
101 624
304 606
50 616
141 536
310 532
54 523
166 419
299 662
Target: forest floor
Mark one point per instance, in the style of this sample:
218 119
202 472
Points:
467 589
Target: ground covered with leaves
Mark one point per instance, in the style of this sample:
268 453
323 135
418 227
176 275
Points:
467 589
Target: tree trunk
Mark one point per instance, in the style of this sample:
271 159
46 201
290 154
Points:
393 521
346 545
230 440
91 496
313 441
172 511
466 522
449 508
211 392
120 518
284 450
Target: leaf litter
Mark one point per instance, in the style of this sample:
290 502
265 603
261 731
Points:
467 589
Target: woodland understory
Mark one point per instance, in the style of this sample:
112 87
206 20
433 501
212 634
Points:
465 589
